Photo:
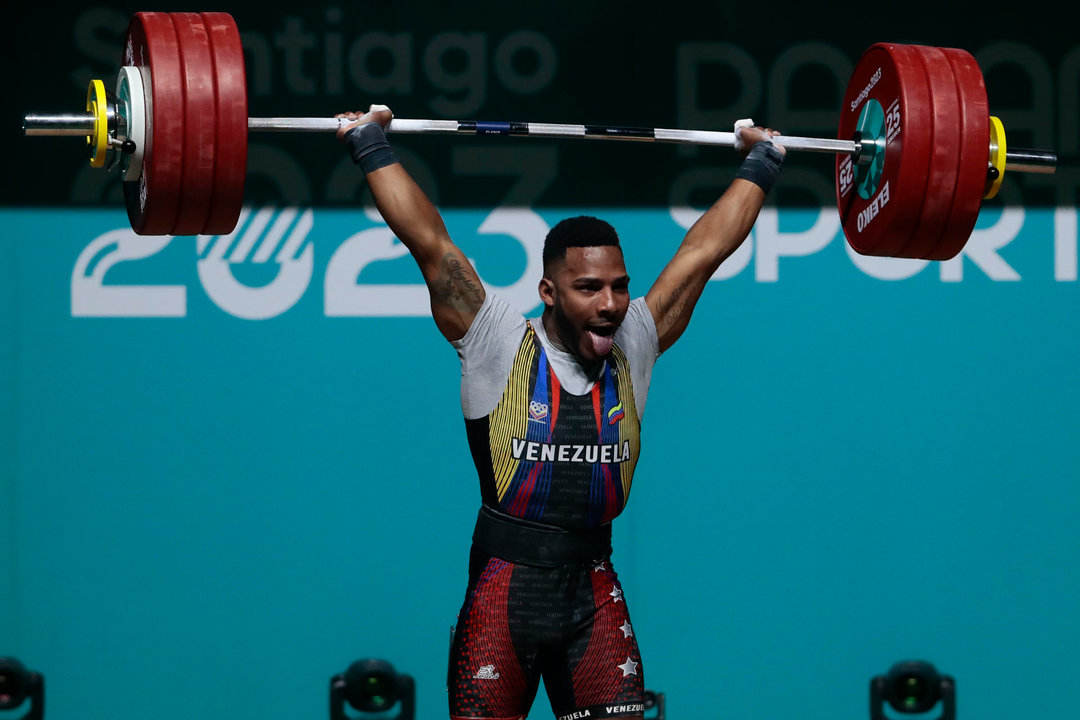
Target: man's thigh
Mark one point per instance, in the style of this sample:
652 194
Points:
598 674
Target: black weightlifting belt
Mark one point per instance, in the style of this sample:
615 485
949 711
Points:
530 543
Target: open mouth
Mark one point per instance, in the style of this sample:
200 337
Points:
601 338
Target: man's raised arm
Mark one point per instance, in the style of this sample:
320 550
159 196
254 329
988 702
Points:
715 236
455 289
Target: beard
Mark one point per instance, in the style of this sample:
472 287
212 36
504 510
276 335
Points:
587 346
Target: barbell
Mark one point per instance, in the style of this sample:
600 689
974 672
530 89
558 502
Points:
916 149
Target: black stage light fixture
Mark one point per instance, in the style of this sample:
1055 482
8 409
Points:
372 686
654 700
912 687
17 685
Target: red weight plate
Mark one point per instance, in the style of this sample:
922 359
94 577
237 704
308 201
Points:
197 187
153 199
232 124
945 141
888 99
974 154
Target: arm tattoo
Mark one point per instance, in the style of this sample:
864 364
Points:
457 285
679 301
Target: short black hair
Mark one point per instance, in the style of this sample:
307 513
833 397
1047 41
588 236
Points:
581 231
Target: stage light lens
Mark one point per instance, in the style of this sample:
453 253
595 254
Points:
371 685
913 687
12 683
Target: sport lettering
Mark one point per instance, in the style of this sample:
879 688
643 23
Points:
607 454
866 90
871 211
611 709
577 715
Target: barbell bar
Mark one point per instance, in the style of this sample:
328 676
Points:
85 124
916 152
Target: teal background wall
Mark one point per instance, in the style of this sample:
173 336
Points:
215 514
231 466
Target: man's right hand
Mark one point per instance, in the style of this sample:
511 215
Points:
747 135
376 113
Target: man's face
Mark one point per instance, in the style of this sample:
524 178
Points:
587 294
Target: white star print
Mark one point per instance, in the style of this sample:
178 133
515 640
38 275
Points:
616 593
599 568
626 629
628 668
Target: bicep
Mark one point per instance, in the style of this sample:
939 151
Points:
711 240
455 290
672 297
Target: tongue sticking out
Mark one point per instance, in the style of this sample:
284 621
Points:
601 344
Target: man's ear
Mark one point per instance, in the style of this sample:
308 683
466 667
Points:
547 291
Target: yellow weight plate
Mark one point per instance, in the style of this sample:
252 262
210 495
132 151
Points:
98 140
997 155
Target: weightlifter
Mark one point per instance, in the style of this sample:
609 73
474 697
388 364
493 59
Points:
552 409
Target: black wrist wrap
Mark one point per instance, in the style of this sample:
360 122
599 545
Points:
762 165
369 147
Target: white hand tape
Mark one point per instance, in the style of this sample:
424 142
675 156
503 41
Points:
745 122
379 108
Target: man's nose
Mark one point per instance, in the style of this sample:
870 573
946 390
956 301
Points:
607 301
